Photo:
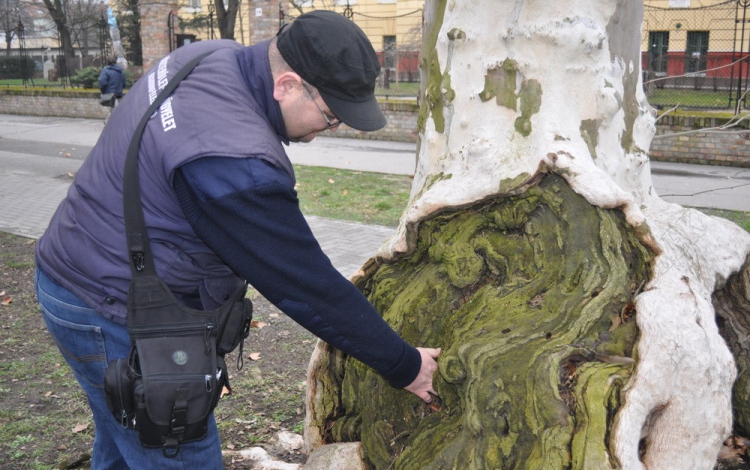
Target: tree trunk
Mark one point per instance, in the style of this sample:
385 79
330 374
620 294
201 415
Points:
57 13
573 305
226 17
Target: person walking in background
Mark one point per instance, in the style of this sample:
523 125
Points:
111 83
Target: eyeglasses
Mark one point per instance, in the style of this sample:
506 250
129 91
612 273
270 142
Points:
330 122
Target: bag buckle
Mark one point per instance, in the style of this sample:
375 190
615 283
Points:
138 259
171 446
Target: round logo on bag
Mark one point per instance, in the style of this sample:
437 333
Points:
180 357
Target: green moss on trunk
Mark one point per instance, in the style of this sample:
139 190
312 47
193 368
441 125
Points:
732 304
525 296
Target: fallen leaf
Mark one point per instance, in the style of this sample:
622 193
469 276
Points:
258 324
616 359
80 427
346 191
71 174
331 181
6 300
2 292
274 315
230 446
255 356
616 321
48 394
67 155
225 391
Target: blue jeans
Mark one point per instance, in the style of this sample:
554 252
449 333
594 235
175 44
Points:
88 341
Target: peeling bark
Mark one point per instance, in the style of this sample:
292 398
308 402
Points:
532 227
732 304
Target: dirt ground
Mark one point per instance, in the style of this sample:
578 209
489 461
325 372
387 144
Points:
44 418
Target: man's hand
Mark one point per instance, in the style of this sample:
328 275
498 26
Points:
422 385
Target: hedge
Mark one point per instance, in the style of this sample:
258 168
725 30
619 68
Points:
16 67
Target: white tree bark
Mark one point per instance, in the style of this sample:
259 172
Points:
565 96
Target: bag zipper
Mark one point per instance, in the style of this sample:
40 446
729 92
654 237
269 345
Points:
123 413
166 331
205 378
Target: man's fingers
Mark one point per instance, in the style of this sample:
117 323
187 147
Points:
433 352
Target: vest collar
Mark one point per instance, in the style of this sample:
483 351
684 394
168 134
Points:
256 70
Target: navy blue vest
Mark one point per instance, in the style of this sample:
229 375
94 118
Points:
211 113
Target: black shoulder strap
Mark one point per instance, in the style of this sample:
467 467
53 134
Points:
141 258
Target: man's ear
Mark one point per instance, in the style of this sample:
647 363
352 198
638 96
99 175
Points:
286 85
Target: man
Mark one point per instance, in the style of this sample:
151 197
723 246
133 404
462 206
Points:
112 80
220 206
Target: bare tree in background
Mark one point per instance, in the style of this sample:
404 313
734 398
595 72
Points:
11 12
226 16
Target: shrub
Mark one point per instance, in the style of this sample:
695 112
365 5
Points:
17 67
87 77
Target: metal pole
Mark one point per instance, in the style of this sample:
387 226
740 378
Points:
22 51
744 4
102 40
170 30
242 20
211 9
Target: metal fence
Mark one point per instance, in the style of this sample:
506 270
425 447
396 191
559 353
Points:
697 57
397 41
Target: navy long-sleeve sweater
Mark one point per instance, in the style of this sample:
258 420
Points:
247 211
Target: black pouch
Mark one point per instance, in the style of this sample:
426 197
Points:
119 383
175 374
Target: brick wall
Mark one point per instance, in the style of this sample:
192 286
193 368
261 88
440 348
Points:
79 104
705 148
265 25
401 127
154 29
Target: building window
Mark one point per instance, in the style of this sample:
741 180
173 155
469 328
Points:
658 45
389 52
306 4
343 3
386 1
696 54
195 3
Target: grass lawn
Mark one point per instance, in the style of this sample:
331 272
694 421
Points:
358 196
398 89
740 218
377 198
689 97
19 82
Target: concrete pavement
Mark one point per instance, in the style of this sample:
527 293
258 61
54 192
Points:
39 155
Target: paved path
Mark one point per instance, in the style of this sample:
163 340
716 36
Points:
39 155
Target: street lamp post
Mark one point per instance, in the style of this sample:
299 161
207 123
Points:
103 40
211 9
22 52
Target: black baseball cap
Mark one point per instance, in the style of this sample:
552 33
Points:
333 54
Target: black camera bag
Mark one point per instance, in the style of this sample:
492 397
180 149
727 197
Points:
175 373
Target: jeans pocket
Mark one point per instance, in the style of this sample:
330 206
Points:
82 345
